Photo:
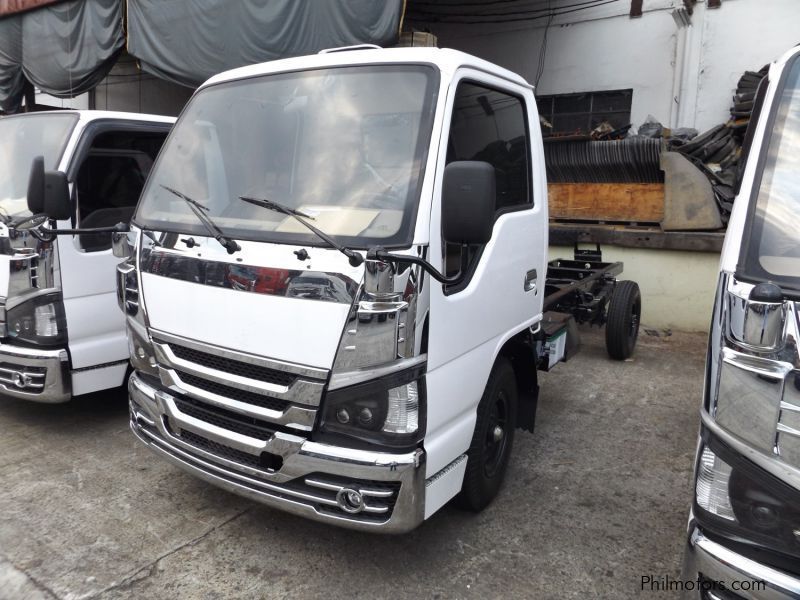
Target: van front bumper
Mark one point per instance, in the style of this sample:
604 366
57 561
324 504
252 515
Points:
313 480
740 575
34 374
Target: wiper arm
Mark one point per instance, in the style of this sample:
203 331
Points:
354 258
201 212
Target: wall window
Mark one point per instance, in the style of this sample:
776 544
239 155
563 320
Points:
489 125
579 114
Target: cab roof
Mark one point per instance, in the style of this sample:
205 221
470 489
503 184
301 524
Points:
445 59
94 115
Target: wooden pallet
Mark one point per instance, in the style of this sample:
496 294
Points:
607 202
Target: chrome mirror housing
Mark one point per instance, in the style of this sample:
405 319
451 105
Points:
764 317
379 279
121 245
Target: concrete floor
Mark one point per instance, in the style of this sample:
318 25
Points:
594 500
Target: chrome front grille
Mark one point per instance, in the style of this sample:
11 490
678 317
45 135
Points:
235 367
281 395
212 387
226 419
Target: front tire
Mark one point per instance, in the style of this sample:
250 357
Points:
493 439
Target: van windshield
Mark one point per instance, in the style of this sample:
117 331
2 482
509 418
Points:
22 138
346 146
772 251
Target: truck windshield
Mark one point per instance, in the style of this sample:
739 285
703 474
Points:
22 138
772 251
346 146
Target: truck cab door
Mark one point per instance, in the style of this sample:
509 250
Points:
495 121
108 172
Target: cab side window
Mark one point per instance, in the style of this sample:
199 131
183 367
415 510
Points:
110 180
491 126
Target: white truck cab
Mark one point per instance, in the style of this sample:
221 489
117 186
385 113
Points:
335 284
744 530
61 334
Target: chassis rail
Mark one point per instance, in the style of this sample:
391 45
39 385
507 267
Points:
582 286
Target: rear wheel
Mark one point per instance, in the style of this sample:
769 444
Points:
492 440
624 315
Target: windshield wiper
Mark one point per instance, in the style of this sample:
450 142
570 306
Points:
354 258
201 212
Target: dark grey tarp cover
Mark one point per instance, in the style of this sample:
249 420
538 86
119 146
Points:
12 83
188 41
64 49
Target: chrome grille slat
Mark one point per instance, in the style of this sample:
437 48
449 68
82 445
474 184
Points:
301 389
296 417
242 369
227 391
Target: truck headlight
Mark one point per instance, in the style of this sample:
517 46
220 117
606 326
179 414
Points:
388 410
736 499
39 321
128 288
140 348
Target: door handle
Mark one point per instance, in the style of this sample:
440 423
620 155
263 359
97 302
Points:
530 281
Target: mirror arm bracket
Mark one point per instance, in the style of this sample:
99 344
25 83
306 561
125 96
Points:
110 229
378 253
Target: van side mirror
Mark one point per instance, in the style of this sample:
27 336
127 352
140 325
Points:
468 201
48 192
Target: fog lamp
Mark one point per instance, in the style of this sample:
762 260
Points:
350 500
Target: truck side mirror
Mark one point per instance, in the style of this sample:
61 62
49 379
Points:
468 200
36 186
57 203
48 192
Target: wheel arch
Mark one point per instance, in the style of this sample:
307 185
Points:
520 351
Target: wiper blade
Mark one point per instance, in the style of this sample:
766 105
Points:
201 212
354 258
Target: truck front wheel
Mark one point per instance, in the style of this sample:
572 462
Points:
492 440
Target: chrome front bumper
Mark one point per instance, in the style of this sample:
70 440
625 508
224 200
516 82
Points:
34 374
717 563
311 479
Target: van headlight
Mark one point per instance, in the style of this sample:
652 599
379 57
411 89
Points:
388 410
40 321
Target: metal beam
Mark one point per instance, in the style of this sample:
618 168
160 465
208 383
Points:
564 234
